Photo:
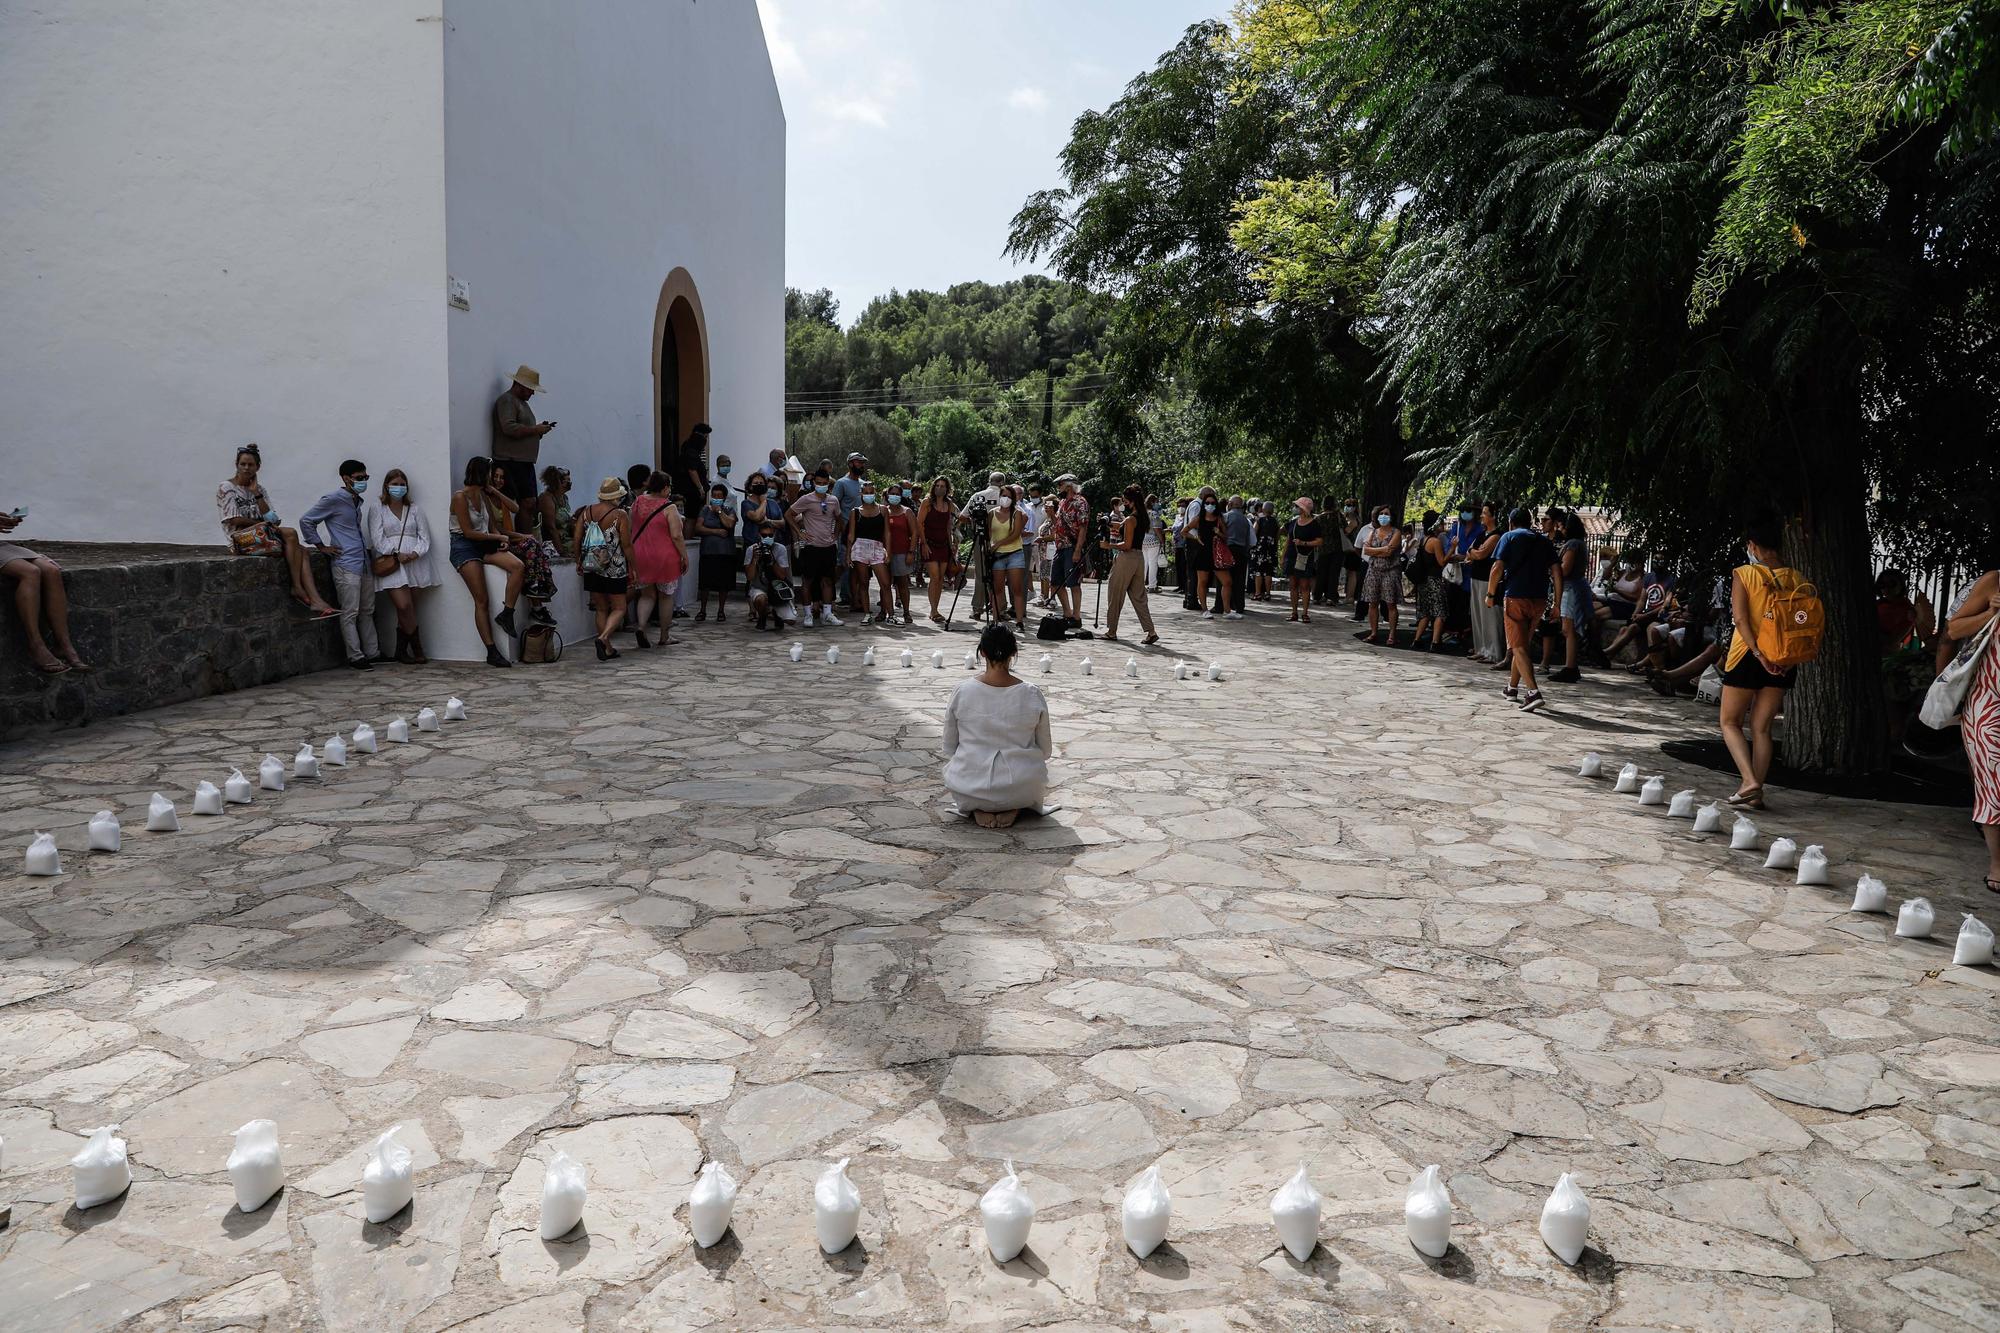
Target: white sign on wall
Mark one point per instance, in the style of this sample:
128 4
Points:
458 293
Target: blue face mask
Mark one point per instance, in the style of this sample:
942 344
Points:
766 540
360 485
719 501
868 497
397 492
1208 508
722 470
1465 518
820 486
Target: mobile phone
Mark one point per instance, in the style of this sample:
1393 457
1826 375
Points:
20 511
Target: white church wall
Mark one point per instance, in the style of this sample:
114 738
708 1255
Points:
223 220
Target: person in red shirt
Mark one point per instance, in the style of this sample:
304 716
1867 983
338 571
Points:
902 542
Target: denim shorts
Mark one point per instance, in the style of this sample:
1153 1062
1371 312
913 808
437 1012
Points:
1068 569
465 551
1011 560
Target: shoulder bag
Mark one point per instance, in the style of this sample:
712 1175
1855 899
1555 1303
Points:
1945 699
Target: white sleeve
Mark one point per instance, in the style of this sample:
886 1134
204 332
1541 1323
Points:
949 743
1044 740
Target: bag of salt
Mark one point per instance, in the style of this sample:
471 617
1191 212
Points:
797 652
305 764
1682 806
563 1191
364 738
1592 766
104 832
836 1208
1654 791
1215 671
1147 1211
1180 671
1916 918
1295 1213
1427 1214
1708 819
334 752
1870 895
255 1168
1566 1220
1812 866
971 659
43 858
1628 780
711 1203
1975 944
1046 663
833 656
906 657
1085 665
454 709
387 1181
236 788
427 719
1784 854
100 1168
1006 1211
207 798
868 656
1742 835
160 816
399 730
1132 666
271 773
937 658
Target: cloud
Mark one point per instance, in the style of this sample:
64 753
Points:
858 110
1028 99
786 62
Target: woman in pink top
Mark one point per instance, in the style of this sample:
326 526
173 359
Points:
658 556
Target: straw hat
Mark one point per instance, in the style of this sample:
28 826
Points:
528 379
611 490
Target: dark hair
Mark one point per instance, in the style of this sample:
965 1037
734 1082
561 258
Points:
699 428
478 470
637 475
1521 518
822 471
657 481
998 644
249 449
1135 497
1430 519
1573 527
549 475
351 466
1767 531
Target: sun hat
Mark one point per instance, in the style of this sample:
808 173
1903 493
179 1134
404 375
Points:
528 379
610 489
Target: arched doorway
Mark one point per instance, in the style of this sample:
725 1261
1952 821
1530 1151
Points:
680 365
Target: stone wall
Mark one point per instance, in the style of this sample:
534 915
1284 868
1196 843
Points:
161 624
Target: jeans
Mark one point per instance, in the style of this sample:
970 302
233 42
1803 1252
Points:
1151 554
355 588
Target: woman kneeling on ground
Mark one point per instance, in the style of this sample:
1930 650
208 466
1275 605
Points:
996 738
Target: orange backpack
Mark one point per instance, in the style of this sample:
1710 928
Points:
1787 618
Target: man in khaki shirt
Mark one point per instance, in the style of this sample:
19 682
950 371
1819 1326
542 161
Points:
517 442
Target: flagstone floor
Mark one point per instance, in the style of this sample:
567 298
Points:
1342 907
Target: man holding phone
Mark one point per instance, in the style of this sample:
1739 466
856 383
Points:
517 441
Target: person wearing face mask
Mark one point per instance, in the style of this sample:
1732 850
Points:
1072 529
1382 548
1007 558
815 521
902 545
848 491
1207 537
1353 526
400 537
767 569
1239 536
353 585
659 556
555 511
716 528
1198 550
1464 533
868 553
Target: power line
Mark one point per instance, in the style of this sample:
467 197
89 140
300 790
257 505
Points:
894 394
975 400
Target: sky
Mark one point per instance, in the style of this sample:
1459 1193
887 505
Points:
915 129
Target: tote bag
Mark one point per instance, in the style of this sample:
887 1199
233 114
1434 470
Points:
1946 697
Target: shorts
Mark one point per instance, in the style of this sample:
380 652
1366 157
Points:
1200 559
1523 614
815 563
1575 602
517 482
465 551
609 584
1384 583
996 564
868 551
1749 674
901 566
1068 571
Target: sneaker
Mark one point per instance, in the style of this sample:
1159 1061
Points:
539 614
1511 694
360 664
1567 676
1208 615
1531 701
827 617
1234 615
807 618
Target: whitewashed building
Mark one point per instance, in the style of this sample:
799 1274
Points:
335 226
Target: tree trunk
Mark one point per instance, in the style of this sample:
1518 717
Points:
1386 471
1836 720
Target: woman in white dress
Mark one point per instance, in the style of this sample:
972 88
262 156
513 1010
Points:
996 738
399 533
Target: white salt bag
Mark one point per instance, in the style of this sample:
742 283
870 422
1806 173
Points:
1006 1211
399 731
1708 819
101 1170
305 764
104 832
1427 1214
364 738
1812 866
454 709
160 816
1915 919
427 719
1592 766
1682 806
1147 1211
1180 671
1628 780
1870 895
836 1208
255 1168
271 773
43 858
937 658
1215 671
236 788
711 1203
797 652
1085 664
1742 835
1566 1220
833 656
1784 854
334 752
563 1191
1295 1213
1975 944
1047 664
906 658
1653 792
207 798
868 656
387 1181
971 659
1132 666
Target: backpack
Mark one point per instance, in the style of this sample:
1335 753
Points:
541 643
1787 621
596 553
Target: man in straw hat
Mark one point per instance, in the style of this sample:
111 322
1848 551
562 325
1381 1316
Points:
517 441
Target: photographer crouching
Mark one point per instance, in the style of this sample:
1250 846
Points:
767 568
1124 536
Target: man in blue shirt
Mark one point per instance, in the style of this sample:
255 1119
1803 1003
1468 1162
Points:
340 511
848 491
1525 564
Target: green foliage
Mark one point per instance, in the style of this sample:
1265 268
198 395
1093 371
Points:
832 437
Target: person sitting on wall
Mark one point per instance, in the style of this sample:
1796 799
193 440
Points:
478 539
517 443
39 593
251 526
554 510
340 511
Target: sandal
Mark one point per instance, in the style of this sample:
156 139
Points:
79 665
1993 886
701 615
1753 798
1149 640
52 667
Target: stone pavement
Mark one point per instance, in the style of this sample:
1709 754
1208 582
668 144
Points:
1342 907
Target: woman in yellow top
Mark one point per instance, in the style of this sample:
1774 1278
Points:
1006 559
1751 686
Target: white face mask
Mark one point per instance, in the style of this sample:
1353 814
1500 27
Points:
1006 502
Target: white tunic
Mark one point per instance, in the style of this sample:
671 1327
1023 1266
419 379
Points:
390 535
996 746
